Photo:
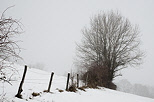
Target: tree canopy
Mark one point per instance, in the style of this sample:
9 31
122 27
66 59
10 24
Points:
110 43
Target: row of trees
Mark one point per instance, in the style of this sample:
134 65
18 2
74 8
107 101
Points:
110 44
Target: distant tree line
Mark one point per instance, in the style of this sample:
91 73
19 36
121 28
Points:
137 89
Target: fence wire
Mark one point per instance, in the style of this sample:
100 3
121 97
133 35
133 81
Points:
38 73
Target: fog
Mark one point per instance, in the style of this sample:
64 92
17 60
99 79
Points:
138 89
53 27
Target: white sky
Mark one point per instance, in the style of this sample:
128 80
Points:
53 26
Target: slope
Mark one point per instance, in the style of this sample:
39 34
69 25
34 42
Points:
37 81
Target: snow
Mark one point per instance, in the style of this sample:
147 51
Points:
38 80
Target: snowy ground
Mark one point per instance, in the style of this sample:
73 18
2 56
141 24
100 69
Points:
37 81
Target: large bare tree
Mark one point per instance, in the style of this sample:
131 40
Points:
9 48
111 43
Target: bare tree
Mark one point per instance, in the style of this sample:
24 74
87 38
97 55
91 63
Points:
110 43
9 48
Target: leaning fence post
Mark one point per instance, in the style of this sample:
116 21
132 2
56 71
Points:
67 81
21 83
77 80
50 81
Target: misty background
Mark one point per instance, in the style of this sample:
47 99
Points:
53 27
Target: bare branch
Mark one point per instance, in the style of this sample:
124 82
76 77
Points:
110 42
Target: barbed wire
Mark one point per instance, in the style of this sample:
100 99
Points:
39 80
35 82
57 82
38 73
27 81
36 79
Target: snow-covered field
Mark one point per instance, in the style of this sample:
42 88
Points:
38 80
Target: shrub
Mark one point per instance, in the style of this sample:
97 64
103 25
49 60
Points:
72 88
98 76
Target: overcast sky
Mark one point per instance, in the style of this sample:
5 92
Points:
52 27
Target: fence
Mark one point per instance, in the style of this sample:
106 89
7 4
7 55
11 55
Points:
49 83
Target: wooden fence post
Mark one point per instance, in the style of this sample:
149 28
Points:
86 83
77 80
67 81
21 84
50 81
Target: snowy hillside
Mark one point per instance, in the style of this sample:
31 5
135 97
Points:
37 81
